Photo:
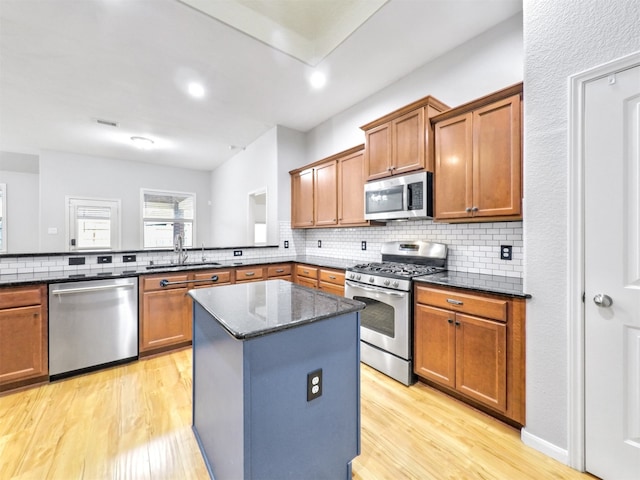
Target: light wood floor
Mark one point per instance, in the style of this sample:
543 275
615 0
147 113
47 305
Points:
134 422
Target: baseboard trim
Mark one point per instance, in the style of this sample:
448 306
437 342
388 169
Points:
548 448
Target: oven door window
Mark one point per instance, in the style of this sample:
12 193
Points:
377 316
387 200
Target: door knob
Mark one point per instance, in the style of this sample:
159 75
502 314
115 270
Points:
603 300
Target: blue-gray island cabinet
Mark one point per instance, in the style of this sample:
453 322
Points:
276 381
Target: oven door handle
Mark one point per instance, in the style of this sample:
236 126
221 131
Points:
377 290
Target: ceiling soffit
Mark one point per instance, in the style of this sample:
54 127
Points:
306 30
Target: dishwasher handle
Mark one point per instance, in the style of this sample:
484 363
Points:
69 291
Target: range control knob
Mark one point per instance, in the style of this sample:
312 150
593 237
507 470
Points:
387 282
358 277
371 279
396 284
352 276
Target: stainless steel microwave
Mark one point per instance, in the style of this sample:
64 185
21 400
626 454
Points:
399 198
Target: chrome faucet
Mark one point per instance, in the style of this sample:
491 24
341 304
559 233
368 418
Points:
178 247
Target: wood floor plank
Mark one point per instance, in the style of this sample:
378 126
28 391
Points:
134 423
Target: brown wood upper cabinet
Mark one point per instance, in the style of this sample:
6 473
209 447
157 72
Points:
302 198
472 344
478 159
23 336
401 141
330 192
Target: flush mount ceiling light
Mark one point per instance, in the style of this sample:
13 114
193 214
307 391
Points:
196 90
142 143
318 80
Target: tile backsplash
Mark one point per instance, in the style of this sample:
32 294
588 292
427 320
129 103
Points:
473 248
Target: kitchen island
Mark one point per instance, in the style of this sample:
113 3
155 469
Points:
276 381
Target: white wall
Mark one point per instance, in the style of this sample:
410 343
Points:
252 169
291 151
22 211
560 39
20 173
487 63
63 174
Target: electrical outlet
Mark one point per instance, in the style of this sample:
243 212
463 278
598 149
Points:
128 258
319 243
76 261
286 244
363 245
505 252
314 385
105 259
237 253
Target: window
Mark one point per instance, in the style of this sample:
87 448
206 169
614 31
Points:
165 215
93 224
3 217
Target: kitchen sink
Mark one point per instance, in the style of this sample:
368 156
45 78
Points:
156 266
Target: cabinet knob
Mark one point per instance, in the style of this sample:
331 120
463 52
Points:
450 320
468 209
457 324
474 209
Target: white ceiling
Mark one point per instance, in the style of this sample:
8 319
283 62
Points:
66 63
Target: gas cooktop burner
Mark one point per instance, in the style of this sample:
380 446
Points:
396 269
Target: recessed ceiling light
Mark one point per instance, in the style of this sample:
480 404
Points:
142 143
318 79
196 90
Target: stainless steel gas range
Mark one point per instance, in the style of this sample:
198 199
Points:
386 324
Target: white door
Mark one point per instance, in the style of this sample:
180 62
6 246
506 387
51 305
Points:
612 275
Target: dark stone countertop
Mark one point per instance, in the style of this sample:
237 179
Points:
100 273
254 309
510 286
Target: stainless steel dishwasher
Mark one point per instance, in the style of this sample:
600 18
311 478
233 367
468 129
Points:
92 323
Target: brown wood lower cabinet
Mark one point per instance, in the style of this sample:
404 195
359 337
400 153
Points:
165 313
23 336
331 281
279 272
250 274
306 275
472 345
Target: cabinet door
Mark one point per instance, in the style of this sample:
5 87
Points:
453 165
481 360
325 193
166 319
434 345
408 142
23 344
307 282
378 152
351 190
497 159
302 199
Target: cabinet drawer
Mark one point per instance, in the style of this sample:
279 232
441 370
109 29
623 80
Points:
153 282
460 302
249 274
278 270
20 297
332 276
306 271
216 277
